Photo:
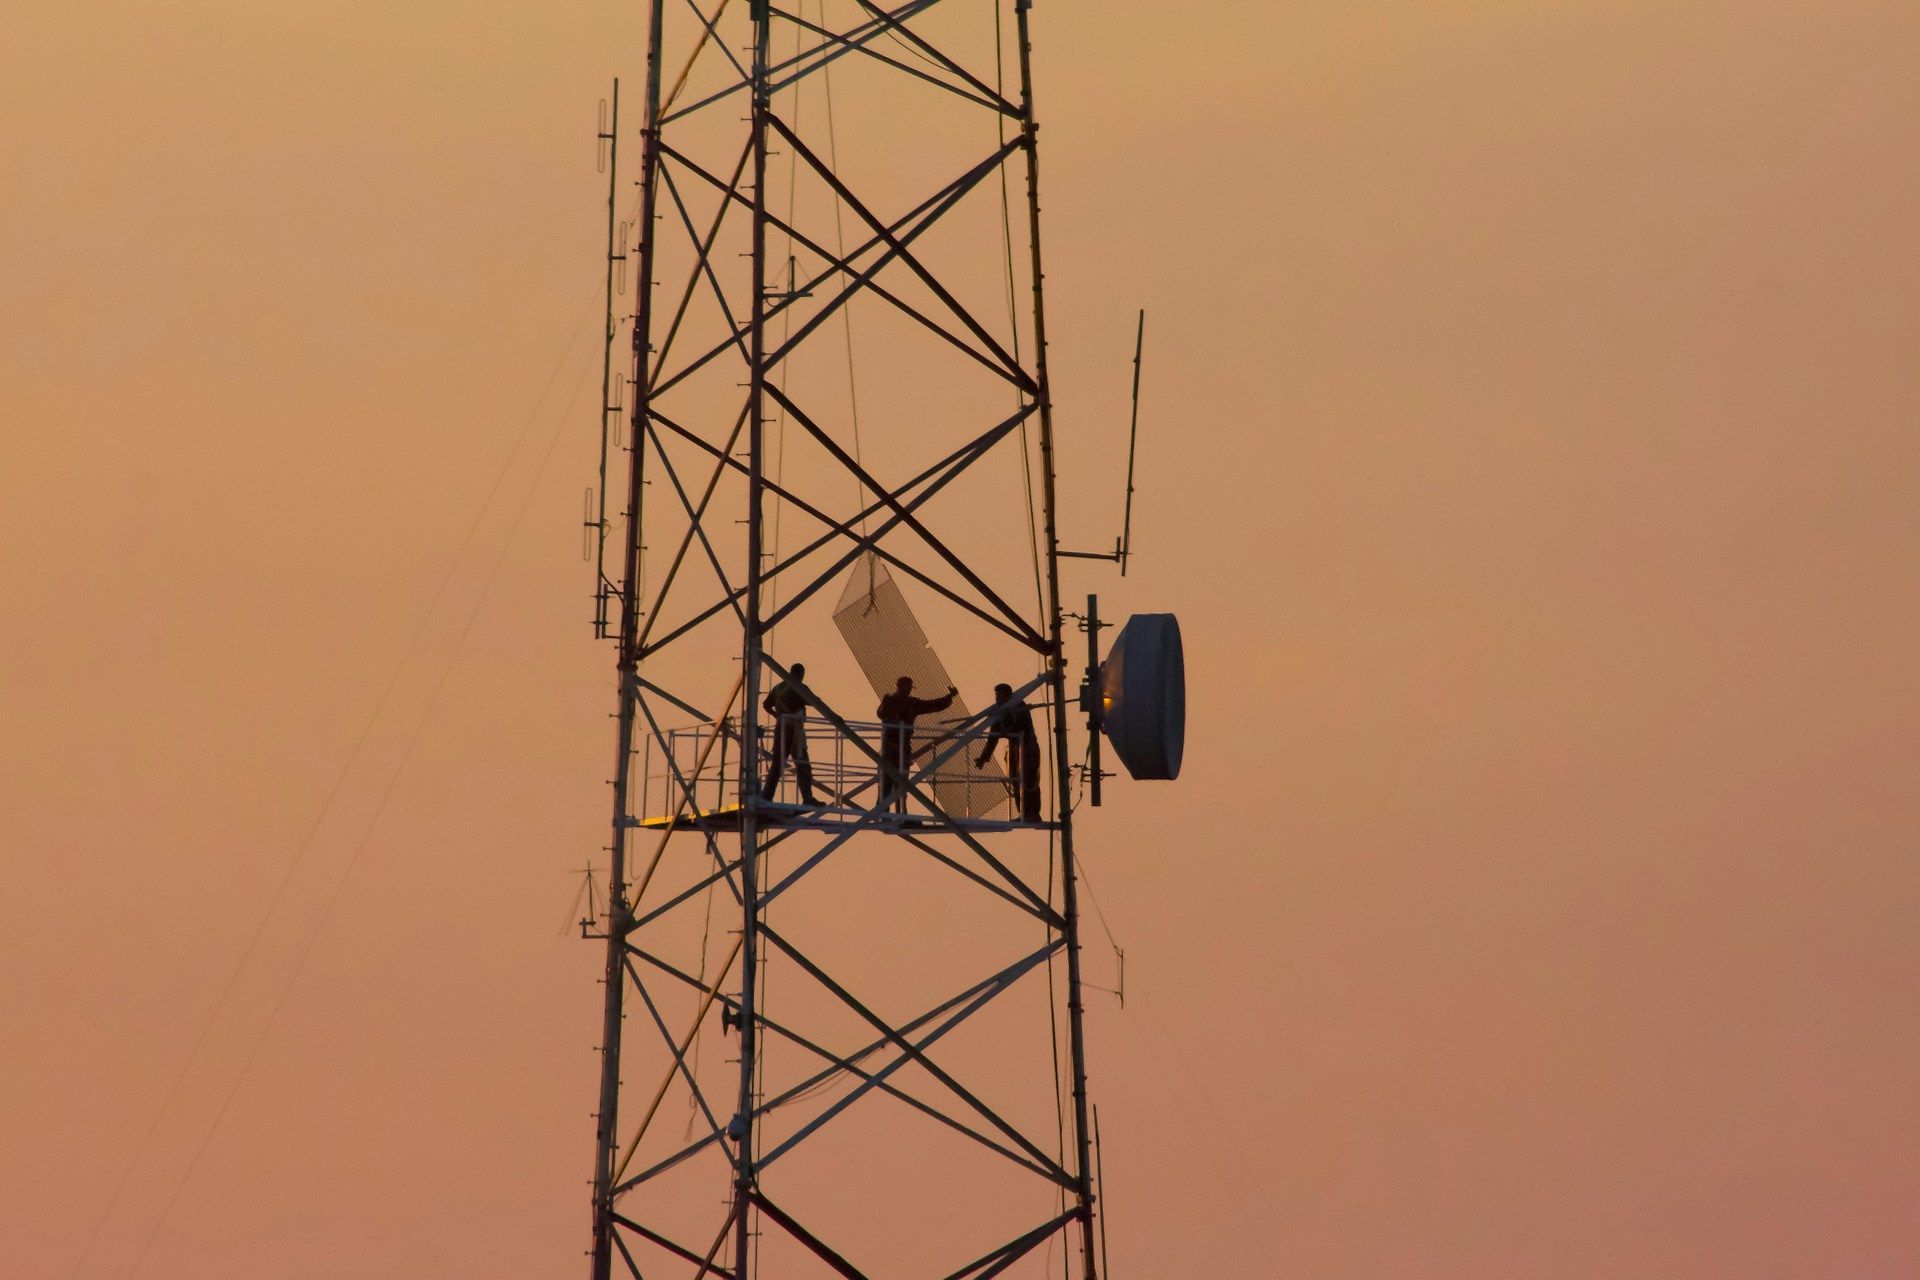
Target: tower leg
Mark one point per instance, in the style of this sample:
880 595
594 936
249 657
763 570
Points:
1056 661
619 920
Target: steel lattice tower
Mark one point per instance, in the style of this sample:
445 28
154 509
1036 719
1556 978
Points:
727 450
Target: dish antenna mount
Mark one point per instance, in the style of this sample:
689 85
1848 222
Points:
1137 698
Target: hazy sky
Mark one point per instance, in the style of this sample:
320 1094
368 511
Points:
1530 454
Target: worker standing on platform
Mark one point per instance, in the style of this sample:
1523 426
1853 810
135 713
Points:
898 711
1012 721
787 703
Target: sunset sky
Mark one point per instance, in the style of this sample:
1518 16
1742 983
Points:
1529 450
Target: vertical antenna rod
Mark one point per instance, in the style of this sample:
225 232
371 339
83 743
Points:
1056 658
1133 436
619 911
610 135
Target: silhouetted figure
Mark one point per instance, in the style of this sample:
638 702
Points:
898 711
1011 721
788 704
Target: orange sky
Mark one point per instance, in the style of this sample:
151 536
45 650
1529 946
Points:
1529 453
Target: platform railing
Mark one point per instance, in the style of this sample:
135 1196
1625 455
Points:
844 776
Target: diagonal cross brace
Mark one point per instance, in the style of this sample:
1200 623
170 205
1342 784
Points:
694 520
909 1050
893 22
968 1002
700 257
895 244
907 517
864 34
1001 105
813 1243
1013 1250
678 1250
679 1053
851 1065
946 470
931 209
686 538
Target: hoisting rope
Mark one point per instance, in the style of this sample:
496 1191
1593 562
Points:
846 309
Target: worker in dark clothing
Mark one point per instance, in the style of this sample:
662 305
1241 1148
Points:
787 703
898 711
1011 721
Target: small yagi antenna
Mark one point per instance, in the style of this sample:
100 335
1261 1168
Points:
1123 545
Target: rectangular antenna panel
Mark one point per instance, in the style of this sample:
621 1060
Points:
887 642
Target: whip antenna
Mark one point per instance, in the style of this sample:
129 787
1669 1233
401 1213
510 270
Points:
1133 437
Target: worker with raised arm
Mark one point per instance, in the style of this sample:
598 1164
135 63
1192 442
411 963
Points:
1011 720
898 710
787 703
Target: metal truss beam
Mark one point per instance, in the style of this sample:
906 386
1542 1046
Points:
681 406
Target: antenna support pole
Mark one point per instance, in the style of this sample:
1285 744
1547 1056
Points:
1091 700
611 136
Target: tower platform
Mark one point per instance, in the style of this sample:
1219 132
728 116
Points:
829 817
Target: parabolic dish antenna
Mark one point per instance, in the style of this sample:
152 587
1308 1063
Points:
1143 692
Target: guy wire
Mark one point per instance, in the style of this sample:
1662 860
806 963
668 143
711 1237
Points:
333 794
365 837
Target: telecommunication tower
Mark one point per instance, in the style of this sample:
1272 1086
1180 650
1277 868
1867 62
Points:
843 1028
